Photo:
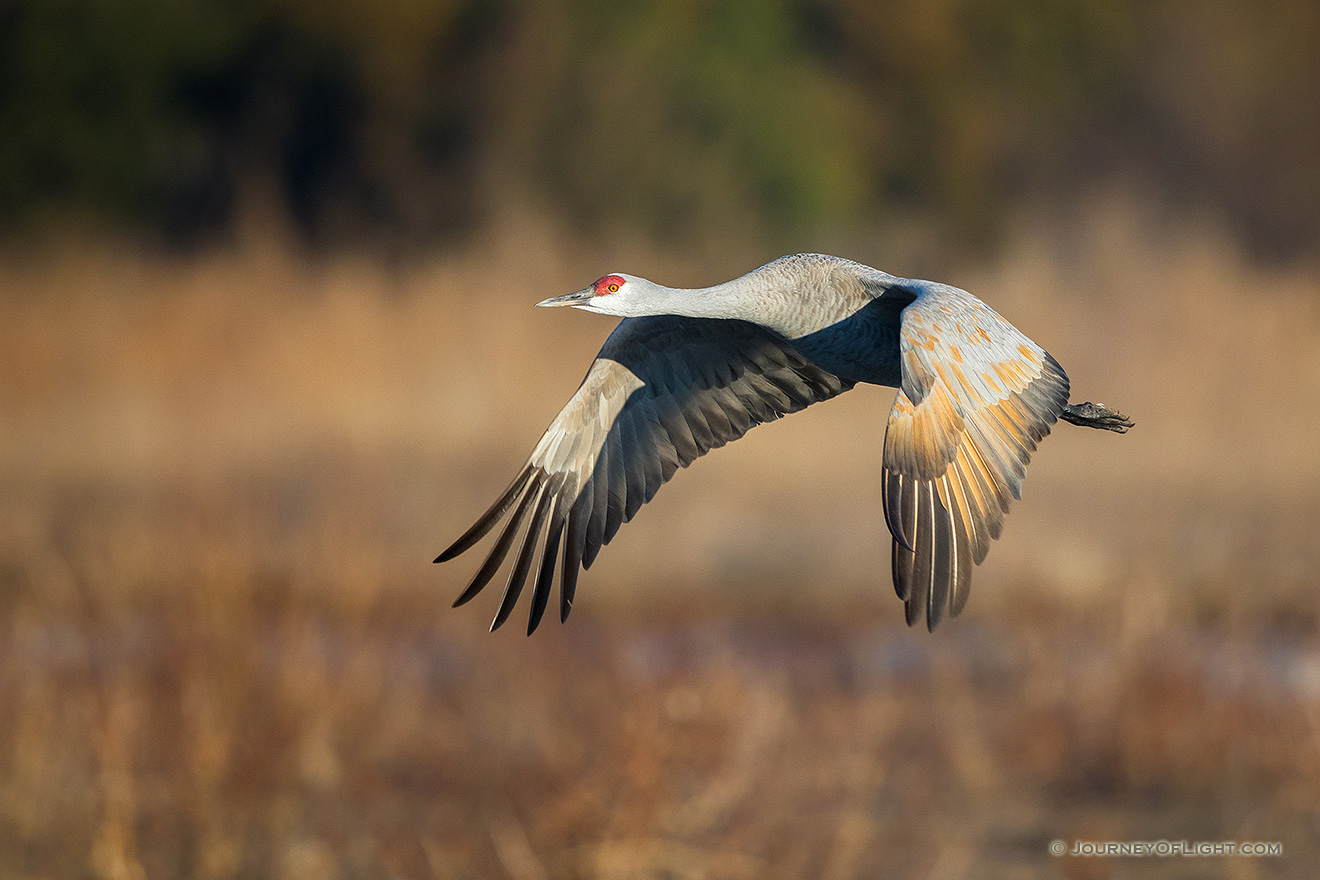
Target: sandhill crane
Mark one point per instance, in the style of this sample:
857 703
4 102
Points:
687 371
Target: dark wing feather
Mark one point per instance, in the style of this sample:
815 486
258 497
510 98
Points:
976 397
663 391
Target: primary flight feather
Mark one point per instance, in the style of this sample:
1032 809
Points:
687 371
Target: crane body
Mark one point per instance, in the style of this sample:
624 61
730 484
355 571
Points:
688 370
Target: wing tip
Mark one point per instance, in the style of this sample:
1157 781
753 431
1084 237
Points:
911 612
494 513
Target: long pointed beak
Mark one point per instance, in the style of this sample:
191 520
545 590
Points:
585 295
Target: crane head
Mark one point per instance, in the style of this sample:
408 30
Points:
608 295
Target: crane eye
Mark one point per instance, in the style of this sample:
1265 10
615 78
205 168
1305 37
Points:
613 288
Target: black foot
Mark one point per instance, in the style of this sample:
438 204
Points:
1096 415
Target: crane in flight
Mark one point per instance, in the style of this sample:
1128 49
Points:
687 371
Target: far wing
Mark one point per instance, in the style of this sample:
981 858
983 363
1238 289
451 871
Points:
663 391
976 398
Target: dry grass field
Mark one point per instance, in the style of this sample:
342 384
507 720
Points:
224 651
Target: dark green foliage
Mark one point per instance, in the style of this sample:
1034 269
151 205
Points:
171 112
401 121
89 99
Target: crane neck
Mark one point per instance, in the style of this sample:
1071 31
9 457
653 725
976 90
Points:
728 300
792 296
749 298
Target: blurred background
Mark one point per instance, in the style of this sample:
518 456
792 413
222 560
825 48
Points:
267 346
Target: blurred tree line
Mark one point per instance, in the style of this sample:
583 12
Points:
401 122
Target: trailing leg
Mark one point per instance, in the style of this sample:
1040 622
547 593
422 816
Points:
1096 415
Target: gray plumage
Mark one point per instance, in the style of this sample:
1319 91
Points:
687 371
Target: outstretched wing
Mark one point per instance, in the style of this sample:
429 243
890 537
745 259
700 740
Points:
976 397
663 391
